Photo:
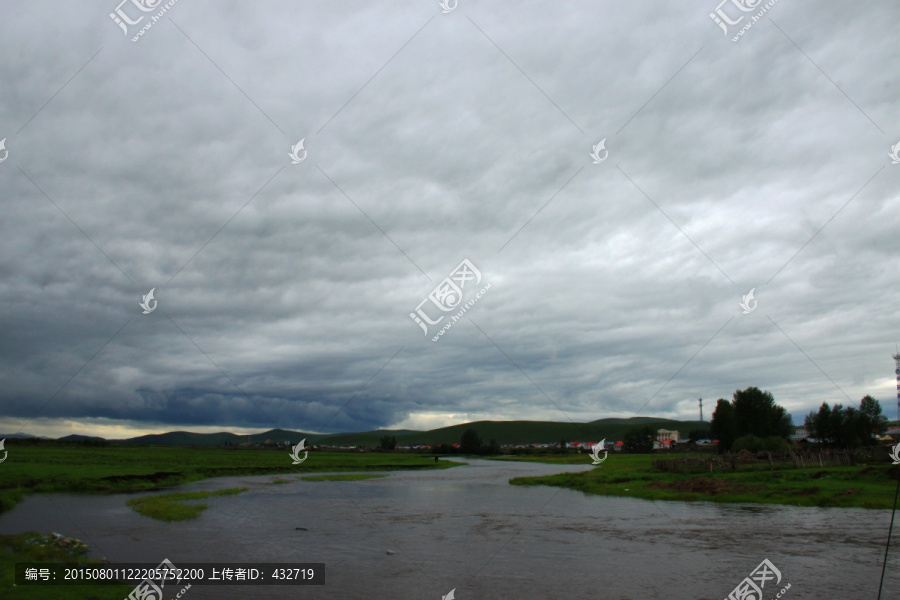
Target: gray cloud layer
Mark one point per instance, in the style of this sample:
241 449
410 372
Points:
285 289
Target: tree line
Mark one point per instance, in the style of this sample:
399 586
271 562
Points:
752 420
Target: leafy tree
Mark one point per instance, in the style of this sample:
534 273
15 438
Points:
755 412
470 443
822 425
723 424
388 442
843 427
639 439
872 419
492 448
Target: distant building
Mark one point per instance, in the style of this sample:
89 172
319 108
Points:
667 434
663 444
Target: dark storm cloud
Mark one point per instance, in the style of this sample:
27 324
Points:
285 290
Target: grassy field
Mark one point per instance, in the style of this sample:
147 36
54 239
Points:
860 486
47 468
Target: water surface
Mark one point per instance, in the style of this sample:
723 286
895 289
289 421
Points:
467 528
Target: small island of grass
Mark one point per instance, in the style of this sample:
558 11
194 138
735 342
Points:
168 507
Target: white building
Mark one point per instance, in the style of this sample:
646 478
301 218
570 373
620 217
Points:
667 434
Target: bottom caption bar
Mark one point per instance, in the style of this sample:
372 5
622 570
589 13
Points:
150 578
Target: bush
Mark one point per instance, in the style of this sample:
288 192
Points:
774 443
752 443
747 442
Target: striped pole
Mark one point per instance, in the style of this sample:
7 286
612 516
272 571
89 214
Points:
897 371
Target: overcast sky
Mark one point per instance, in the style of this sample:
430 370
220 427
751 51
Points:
283 291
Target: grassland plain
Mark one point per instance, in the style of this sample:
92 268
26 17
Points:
115 469
857 486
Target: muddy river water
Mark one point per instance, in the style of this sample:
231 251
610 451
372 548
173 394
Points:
466 529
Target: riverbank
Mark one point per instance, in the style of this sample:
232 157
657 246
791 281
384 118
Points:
855 486
116 469
32 547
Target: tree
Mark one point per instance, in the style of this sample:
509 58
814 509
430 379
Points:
847 427
723 425
755 413
873 420
818 424
492 448
639 439
388 442
470 443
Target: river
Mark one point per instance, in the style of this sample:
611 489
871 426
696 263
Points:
466 529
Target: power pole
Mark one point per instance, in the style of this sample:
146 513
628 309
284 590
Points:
897 371
701 406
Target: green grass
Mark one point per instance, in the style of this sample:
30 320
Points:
859 486
115 469
16 548
165 507
351 477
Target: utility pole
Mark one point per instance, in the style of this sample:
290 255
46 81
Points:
701 406
897 371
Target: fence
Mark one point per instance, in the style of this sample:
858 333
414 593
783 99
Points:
801 460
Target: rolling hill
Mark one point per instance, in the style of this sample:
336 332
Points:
504 432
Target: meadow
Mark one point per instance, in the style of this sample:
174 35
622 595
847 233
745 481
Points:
115 469
856 486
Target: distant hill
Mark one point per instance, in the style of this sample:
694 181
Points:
81 438
633 421
504 432
518 432
187 438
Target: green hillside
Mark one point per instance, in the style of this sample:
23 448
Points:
187 438
517 432
504 432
